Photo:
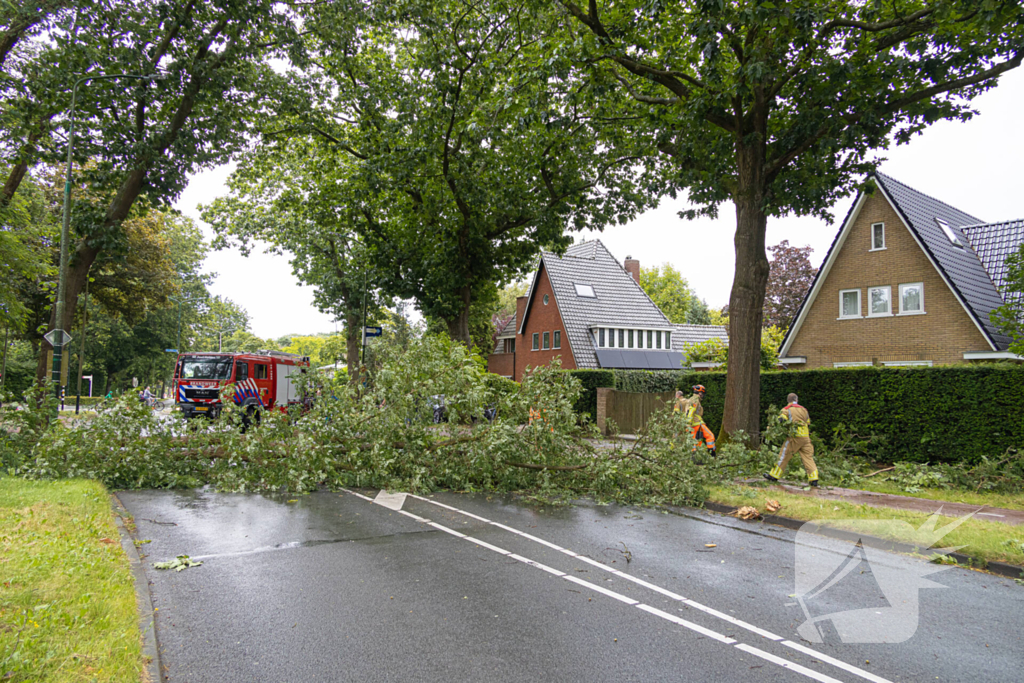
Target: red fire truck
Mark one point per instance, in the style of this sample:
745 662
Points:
263 381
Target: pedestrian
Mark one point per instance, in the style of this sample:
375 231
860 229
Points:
799 441
147 396
693 413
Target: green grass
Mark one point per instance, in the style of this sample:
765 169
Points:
985 540
67 601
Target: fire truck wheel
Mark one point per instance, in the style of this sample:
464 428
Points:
251 418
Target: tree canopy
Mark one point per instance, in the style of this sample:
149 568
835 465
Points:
789 279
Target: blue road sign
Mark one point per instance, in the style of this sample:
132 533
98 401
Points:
373 331
171 350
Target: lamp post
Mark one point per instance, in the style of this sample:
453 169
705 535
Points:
81 352
59 340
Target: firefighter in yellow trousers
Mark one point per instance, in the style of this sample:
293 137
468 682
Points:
693 412
799 441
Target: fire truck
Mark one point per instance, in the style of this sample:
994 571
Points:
263 381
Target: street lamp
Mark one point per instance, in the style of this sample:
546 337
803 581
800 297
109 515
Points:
58 337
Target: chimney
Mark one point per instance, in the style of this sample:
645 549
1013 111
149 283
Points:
633 268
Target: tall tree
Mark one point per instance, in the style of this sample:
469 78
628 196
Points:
673 295
789 279
295 193
777 106
472 154
210 64
1010 316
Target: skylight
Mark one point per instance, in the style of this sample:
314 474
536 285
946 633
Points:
585 290
954 239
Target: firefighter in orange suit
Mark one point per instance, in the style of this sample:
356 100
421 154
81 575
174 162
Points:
693 411
799 441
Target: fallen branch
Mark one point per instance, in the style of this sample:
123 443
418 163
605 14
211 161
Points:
555 468
887 469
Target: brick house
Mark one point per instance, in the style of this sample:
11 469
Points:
589 310
908 280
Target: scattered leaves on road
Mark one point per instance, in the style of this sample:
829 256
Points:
177 564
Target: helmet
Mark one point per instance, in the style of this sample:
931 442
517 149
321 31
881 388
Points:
699 389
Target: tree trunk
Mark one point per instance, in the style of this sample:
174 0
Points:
458 327
78 275
746 302
353 337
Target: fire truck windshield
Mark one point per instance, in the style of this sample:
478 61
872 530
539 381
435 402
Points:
206 367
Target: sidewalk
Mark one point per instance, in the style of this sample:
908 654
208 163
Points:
888 500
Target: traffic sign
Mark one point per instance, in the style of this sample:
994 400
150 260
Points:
57 338
373 331
170 350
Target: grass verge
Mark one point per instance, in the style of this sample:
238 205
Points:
1010 501
984 540
67 601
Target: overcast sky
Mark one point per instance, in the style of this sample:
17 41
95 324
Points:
976 166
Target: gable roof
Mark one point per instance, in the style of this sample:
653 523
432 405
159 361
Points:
509 329
619 300
992 243
960 267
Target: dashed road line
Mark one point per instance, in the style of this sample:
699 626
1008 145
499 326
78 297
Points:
857 671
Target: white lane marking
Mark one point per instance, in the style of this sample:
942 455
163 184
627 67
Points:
867 675
835 662
358 495
600 589
392 501
732 620
605 567
538 565
500 551
445 529
416 517
688 624
786 664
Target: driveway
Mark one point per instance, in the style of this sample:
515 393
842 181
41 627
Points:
338 587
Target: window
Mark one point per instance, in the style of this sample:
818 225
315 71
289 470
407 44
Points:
879 301
912 298
954 238
668 341
622 339
545 299
558 339
241 371
877 236
536 341
650 336
260 371
547 340
849 303
629 339
906 363
585 290
206 367
858 364
639 339
600 337
657 339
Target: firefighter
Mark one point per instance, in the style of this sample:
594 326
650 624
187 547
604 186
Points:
693 412
799 441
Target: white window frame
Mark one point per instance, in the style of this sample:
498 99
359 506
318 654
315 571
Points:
536 341
873 247
577 286
640 339
853 364
907 363
556 339
953 238
547 341
860 305
912 284
880 315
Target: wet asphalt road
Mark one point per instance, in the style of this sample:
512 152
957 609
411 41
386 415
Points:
332 587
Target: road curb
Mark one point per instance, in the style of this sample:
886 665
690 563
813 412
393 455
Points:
143 596
965 561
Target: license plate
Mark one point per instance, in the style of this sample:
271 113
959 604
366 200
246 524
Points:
202 408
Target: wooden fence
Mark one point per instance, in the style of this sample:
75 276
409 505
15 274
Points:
627 410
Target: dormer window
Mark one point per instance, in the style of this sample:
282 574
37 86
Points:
877 236
585 290
954 238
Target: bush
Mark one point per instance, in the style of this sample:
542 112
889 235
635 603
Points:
954 413
590 381
648 381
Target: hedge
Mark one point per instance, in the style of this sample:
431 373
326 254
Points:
649 381
956 413
591 380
